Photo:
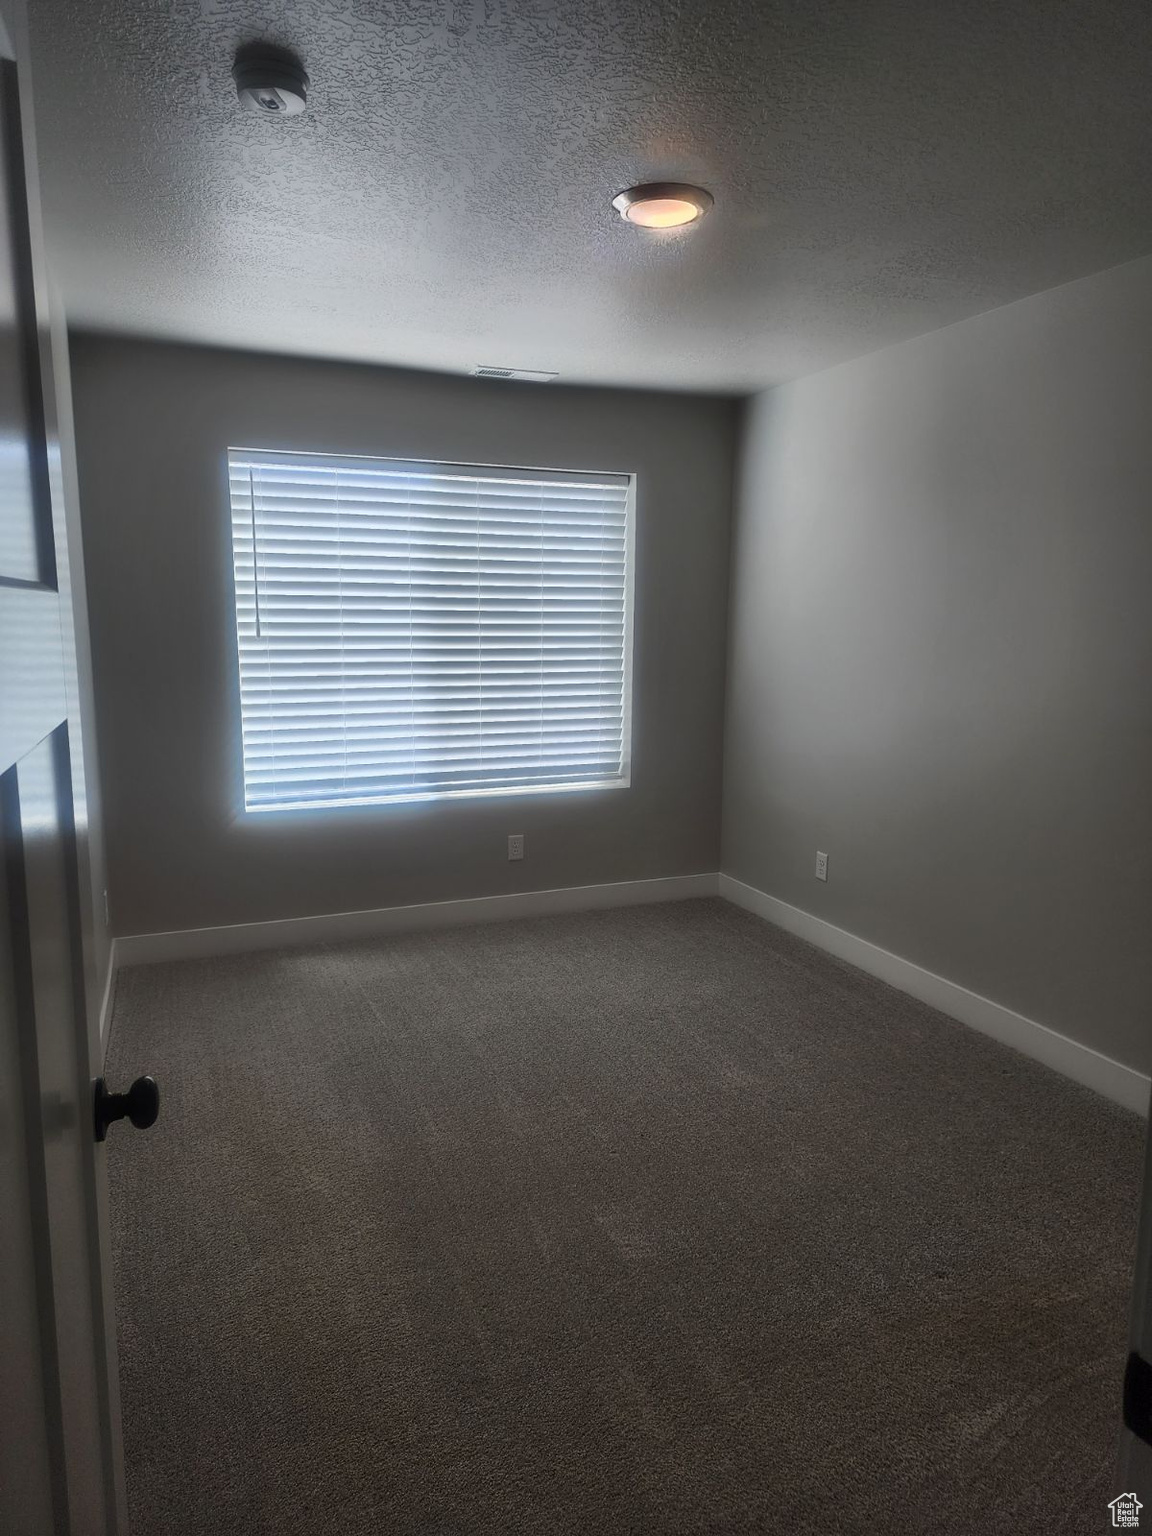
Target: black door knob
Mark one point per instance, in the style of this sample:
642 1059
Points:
141 1104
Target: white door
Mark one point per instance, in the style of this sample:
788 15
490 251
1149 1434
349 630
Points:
60 1460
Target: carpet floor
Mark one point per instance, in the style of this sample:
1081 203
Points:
655 1220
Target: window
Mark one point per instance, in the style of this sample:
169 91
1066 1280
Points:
410 630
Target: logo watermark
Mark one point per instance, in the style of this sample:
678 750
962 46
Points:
1125 1508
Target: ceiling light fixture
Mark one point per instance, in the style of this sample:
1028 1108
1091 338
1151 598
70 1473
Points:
663 204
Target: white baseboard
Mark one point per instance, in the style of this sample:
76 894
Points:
333 927
1083 1065
1079 1062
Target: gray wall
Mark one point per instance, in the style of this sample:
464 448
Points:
153 424
941 655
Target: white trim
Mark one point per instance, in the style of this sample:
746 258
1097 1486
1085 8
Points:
106 1001
333 927
1081 1063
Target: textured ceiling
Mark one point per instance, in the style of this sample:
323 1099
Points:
880 167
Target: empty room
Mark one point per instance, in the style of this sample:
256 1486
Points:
575 767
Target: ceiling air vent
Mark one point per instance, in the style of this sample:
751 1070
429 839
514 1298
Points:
527 375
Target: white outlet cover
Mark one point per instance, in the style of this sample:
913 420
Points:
821 866
515 845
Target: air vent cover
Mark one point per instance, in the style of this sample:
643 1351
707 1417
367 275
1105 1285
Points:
527 375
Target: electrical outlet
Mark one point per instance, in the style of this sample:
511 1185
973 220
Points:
515 845
821 865
107 918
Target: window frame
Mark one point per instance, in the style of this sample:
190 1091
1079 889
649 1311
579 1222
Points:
384 802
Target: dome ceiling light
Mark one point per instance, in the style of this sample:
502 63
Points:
663 204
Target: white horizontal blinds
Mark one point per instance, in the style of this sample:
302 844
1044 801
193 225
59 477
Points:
408 629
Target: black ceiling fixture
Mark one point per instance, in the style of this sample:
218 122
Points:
270 80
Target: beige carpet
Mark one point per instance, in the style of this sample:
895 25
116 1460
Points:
642 1221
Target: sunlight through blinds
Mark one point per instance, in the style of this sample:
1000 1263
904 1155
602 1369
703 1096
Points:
411 630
